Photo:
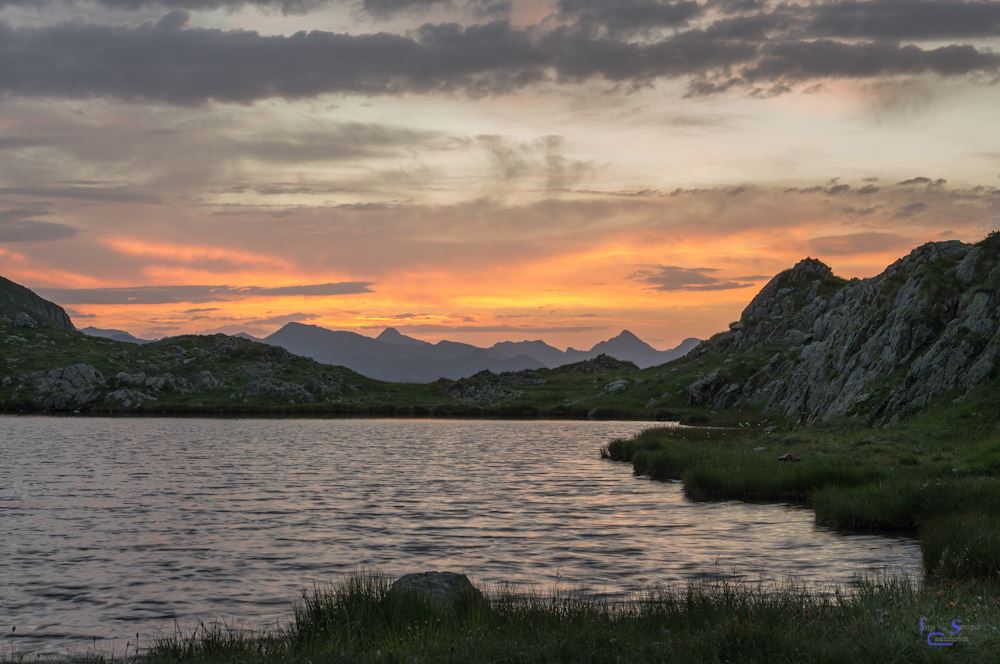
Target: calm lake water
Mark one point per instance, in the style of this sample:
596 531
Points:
112 527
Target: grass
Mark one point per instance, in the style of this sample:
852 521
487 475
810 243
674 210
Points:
360 620
935 475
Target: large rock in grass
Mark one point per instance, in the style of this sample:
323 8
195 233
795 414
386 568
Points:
449 590
69 388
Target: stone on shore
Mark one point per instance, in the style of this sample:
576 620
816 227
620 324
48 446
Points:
450 590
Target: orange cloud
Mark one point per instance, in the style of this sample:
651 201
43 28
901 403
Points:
188 254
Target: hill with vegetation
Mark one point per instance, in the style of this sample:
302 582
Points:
810 347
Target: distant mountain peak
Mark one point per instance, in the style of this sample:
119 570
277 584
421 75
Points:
391 335
626 335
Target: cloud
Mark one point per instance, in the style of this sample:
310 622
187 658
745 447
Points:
904 19
84 193
858 243
344 141
167 63
672 278
853 211
628 15
195 294
910 210
477 7
374 7
283 319
545 158
20 225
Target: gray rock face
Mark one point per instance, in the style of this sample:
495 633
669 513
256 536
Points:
450 590
16 299
70 388
873 348
22 319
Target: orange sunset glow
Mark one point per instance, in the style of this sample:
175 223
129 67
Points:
471 205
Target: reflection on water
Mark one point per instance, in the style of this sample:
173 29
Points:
109 527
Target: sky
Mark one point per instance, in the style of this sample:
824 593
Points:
481 170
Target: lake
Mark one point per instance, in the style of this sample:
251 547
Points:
112 527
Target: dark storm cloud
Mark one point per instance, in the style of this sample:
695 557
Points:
673 278
169 63
479 7
904 19
804 60
84 193
195 65
177 294
21 225
629 15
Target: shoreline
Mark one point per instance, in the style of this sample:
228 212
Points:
364 617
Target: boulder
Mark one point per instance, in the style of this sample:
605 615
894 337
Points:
449 590
616 386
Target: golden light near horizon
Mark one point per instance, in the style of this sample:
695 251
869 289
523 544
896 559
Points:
522 191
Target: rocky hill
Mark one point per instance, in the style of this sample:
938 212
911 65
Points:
22 307
48 366
813 346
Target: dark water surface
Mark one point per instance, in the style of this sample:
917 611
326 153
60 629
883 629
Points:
109 527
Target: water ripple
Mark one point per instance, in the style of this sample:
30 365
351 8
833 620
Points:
115 526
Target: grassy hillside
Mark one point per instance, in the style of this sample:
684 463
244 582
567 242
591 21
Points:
218 374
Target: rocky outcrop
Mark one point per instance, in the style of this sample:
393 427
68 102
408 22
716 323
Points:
487 388
273 389
874 348
27 309
70 388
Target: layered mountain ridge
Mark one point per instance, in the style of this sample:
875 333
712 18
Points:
395 357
